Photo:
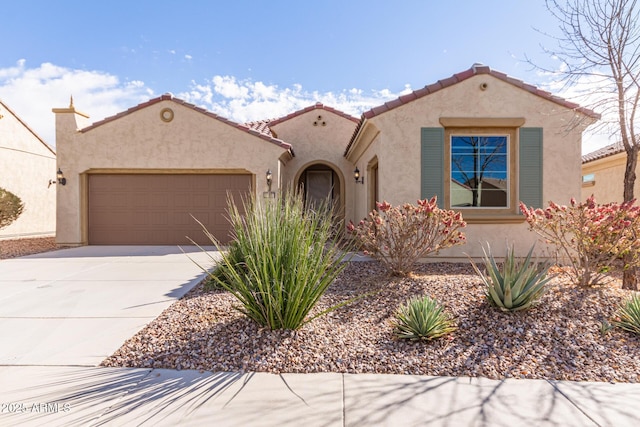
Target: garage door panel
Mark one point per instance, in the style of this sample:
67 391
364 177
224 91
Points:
156 209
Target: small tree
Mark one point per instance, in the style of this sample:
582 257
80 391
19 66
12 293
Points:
400 236
11 207
600 40
591 236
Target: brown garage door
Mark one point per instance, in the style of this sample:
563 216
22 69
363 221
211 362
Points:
156 209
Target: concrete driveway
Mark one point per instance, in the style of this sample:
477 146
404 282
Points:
77 306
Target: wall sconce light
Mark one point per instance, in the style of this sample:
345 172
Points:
269 194
269 178
60 179
356 175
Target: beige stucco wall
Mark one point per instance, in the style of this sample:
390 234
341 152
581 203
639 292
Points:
319 145
141 141
27 165
609 179
397 147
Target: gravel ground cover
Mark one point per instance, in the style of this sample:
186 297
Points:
20 247
559 339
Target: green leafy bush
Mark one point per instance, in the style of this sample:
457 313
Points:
517 284
282 261
399 236
11 207
628 315
422 319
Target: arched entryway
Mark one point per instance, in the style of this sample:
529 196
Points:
321 182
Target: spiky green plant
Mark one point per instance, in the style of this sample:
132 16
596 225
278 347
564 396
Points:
219 274
421 319
605 327
283 259
628 315
518 284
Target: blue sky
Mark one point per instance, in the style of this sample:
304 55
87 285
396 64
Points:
249 60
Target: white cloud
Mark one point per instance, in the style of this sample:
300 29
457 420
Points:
246 100
188 57
32 92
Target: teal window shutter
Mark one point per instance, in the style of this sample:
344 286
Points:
432 164
530 167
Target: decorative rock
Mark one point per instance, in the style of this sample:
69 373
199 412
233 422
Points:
559 339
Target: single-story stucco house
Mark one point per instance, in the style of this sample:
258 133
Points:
603 174
479 140
28 164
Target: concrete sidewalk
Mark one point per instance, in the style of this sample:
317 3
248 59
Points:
63 312
69 396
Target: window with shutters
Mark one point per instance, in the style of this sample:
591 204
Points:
483 171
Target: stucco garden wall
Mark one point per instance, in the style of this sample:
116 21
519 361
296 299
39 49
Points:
609 179
192 142
27 165
397 147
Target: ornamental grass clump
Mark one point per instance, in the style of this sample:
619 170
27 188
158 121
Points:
517 284
628 315
399 236
283 259
421 319
592 237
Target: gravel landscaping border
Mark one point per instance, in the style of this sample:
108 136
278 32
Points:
560 339
12 248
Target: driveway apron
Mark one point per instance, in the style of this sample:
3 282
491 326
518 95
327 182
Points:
76 306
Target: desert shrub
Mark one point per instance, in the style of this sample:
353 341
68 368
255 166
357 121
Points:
282 261
628 315
400 236
421 319
590 236
11 207
517 284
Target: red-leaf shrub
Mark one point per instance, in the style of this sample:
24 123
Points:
590 236
400 236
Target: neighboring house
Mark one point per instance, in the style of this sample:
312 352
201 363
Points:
27 164
603 174
480 140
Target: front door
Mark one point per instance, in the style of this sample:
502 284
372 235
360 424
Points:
319 187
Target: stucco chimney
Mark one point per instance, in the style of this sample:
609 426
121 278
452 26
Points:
68 121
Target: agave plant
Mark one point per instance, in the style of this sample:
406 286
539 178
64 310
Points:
422 319
518 285
629 315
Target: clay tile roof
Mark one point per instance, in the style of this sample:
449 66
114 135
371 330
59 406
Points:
261 126
316 106
476 69
603 152
27 127
170 97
